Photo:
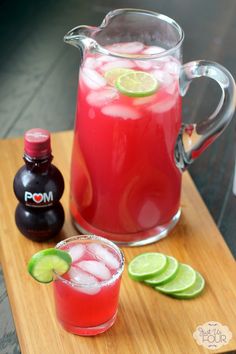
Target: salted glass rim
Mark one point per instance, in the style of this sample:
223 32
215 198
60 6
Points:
100 240
100 49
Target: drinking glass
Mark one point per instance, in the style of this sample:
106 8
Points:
86 297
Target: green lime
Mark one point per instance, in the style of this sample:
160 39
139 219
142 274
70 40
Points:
193 291
43 264
168 273
112 75
137 84
184 279
146 265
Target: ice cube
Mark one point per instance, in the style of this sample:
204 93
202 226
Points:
144 65
89 284
172 67
95 268
163 77
163 106
76 252
149 214
166 80
79 276
126 48
102 97
91 113
153 50
161 61
121 111
104 255
92 79
143 100
172 88
122 63
91 63
105 59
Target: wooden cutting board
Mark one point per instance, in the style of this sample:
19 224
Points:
147 322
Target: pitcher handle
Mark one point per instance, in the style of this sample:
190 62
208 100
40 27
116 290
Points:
194 138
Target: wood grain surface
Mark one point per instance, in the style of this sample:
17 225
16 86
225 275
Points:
147 322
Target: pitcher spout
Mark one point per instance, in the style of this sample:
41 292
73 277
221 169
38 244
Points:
81 37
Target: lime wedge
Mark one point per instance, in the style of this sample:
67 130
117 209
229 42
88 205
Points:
146 265
184 279
137 84
193 291
43 264
168 273
112 75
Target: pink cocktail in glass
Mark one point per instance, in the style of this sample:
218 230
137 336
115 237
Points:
124 178
87 296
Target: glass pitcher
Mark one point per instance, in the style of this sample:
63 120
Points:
130 145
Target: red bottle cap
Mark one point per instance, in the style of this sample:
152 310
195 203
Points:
37 143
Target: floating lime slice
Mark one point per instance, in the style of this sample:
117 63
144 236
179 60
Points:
168 273
43 264
112 75
193 291
146 265
183 280
137 84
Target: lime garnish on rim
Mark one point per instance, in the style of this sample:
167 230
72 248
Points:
168 273
193 291
137 84
112 75
184 279
146 265
43 264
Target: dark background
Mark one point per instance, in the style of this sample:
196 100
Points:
38 82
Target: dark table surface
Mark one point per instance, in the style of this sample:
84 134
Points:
38 75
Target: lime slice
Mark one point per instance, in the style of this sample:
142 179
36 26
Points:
146 265
112 75
184 279
193 291
168 273
43 264
137 84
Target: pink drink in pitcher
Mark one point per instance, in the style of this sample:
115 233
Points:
130 143
87 296
124 177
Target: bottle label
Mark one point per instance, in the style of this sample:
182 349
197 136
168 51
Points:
38 199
